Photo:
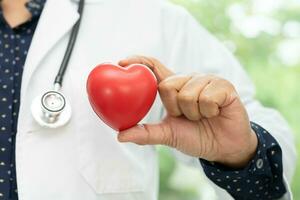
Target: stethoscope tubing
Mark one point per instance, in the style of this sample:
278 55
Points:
74 33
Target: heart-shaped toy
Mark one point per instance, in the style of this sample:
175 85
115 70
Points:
121 96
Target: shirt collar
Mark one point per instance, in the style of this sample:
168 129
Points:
35 7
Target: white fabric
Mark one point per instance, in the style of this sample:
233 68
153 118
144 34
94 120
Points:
83 160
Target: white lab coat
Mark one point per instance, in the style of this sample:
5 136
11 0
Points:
83 160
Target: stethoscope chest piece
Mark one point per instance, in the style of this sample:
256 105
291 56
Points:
51 110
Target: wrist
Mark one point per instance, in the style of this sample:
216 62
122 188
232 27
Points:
246 154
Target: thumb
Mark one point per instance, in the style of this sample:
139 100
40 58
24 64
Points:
161 72
151 134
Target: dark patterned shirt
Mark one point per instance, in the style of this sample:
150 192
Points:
14 45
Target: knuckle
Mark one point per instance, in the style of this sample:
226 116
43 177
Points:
185 97
135 58
165 85
225 83
152 60
196 75
166 134
205 98
231 86
211 77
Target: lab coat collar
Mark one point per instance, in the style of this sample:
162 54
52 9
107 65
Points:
57 18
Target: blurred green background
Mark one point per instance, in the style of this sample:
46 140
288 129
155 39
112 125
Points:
265 36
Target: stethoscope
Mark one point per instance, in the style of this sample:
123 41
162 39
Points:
51 109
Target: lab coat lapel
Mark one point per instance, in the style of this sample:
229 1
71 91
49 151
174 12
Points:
57 18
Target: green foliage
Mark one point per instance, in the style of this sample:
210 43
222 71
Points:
167 168
262 54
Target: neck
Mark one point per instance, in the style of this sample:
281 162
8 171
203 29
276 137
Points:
15 12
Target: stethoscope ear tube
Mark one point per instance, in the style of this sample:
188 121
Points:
52 110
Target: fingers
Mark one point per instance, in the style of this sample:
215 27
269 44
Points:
160 71
189 94
147 134
193 96
168 90
196 96
217 94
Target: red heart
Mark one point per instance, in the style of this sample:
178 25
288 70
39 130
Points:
121 96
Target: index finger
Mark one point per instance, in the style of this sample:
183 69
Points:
161 72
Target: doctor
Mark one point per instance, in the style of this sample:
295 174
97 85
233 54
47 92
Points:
208 116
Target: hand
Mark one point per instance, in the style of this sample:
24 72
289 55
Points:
205 117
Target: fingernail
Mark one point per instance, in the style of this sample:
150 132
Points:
141 125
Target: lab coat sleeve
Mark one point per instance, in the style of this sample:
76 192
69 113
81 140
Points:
191 48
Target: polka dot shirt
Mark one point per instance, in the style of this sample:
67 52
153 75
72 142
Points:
14 45
261 179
